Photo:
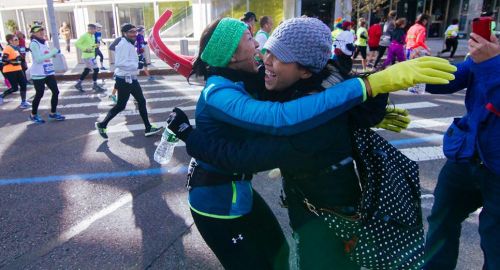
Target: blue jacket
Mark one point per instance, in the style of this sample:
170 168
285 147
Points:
226 110
478 131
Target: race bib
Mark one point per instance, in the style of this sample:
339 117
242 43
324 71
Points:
48 69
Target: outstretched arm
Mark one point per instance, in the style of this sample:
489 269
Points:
227 102
462 77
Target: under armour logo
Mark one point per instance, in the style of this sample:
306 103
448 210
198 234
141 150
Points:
235 240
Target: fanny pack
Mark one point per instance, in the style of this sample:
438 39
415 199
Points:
197 177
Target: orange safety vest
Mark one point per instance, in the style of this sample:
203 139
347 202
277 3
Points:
13 54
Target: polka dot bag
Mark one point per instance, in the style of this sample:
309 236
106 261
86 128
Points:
387 231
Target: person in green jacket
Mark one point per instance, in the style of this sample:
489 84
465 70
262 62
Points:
86 43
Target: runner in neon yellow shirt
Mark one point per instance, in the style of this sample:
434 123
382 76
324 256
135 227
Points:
361 42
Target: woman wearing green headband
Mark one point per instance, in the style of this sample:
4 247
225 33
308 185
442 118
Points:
223 204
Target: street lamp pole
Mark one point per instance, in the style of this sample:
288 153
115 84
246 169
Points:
59 60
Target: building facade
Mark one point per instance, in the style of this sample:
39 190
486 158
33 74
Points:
192 16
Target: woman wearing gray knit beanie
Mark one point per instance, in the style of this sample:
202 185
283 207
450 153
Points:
223 203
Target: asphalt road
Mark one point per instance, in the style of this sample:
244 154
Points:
70 200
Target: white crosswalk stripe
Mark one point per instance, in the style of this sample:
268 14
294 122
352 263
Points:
103 104
424 153
128 112
417 105
94 95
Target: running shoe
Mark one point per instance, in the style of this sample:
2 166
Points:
151 78
97 88
37 119
152 130
79 87
103 68
56 117
102 131
113 98
24 105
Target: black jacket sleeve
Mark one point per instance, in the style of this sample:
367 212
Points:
369 113
264 152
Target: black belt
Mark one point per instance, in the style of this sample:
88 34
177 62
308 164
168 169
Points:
320 172
200 177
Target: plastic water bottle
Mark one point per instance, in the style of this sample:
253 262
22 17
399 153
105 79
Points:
165 149
417 89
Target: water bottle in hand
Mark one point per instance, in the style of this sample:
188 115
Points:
417 89
165 149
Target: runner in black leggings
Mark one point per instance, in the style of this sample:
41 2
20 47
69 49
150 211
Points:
12 69
126 70
42 72
244 236
124 91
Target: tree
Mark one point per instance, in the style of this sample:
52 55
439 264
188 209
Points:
11 25
377 7
365 6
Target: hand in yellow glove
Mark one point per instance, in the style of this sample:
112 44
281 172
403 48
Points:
428 69
395 119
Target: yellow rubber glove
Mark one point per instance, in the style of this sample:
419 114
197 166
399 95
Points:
395 119
428 69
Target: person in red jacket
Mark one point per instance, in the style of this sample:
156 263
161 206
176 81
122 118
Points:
415 38
374 34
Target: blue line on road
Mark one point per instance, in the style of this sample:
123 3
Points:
155 171
432 138
89 176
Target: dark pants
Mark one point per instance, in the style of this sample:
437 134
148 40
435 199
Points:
318 248
51 83
68 44
99 53
461 189
362 50
262 244
18 82
124 91
86 72
451 43
381 51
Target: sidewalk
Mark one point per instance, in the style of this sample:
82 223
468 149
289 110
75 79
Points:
158 67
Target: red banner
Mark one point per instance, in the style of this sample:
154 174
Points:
183 64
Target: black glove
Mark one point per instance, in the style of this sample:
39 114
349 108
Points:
178 123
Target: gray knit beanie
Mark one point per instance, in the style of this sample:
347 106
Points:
306 41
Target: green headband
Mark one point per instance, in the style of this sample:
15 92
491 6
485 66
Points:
223 43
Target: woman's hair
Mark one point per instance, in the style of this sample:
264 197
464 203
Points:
263 21
422 17
200 68
401 22
362 22
454 21
9 37
392 14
